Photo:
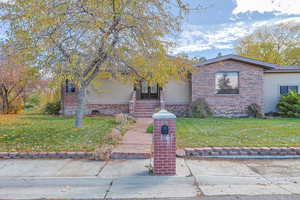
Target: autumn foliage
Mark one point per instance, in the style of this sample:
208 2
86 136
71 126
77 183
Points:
77 40
15 80
278 44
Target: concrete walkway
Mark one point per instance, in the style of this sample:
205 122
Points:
136 142
121 179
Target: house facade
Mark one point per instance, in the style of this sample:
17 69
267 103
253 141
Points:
228 83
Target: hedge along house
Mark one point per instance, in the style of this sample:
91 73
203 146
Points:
229 84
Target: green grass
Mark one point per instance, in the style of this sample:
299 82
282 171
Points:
38 133
236 132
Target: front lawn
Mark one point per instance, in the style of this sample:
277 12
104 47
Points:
38 133
248 132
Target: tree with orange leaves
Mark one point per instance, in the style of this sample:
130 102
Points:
14 78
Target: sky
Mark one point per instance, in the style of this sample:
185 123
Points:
220 24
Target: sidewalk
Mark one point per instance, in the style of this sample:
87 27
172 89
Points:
121 179
136 143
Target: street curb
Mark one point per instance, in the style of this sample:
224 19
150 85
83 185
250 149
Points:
242 151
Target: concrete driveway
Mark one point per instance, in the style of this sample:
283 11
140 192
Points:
119 179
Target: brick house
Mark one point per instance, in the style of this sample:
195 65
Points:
228 83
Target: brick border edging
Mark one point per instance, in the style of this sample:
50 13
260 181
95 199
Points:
188 152
242 151
49 155
129 156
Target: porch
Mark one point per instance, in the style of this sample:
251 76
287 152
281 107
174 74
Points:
146 100
141 100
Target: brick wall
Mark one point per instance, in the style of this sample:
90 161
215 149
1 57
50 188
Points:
250 87
164 147
179 110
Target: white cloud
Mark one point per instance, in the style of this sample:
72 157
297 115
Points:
196 38
278 6
291 19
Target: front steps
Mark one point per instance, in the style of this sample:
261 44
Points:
145 108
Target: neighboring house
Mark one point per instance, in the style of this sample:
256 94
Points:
228 83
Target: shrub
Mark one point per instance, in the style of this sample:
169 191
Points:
272 114
52 108
200 109
28 106
47 96
150 128
289 105
254 110
33 101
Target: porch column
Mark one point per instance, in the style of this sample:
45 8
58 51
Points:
132 103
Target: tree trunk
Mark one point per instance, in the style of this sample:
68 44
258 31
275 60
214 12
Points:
80 107
5 102
5 105
2 102
6 109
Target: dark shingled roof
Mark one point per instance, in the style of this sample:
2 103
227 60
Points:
265 65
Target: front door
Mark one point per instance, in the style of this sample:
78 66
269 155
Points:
149 92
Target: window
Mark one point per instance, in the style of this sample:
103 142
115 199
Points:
286 89
70 87
227 83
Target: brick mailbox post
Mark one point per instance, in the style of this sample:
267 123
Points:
164 143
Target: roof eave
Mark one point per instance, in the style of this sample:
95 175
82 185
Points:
262 64
282 71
